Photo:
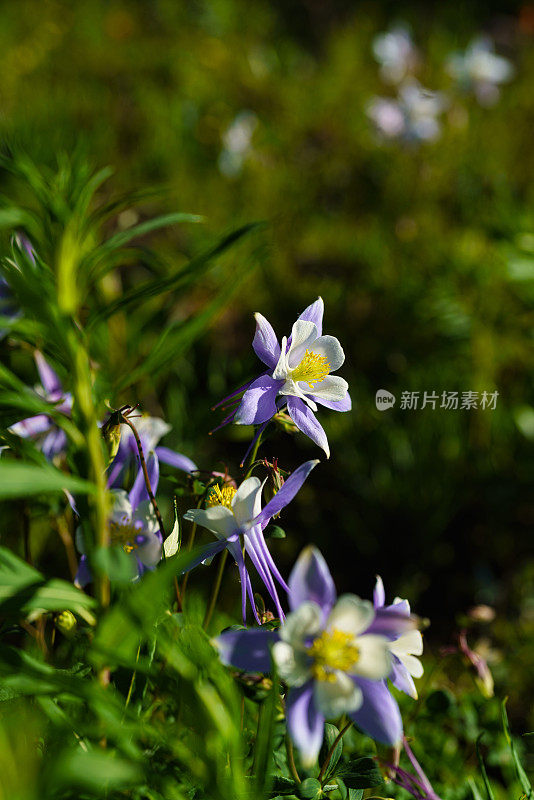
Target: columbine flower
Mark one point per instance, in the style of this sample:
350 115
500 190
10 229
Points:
132 526
328 655
396 53
479 69
404 644
413 116
234 513
299 376
42 429
150 430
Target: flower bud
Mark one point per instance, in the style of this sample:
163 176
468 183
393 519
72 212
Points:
66 622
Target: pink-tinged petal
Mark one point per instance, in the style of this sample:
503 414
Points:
305 420
310 580
138 492
378 716
305 723
335 405
174 459
286 494
265 343
314 313
49 379
248 650
259 401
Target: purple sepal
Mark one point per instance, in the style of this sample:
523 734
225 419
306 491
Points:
286 494
314 313
335 405
53 443
49 379
265 343
305 420
83 576
258 404
174 459
310 579
304 722
139 492
391 622
378 716
247 649
204 553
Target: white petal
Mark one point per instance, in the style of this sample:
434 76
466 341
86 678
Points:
334 698
149 553
351 615
331 388
305 621
151 430
412 664
303 335
145 513
293 665
281 369
296 389
120 505
218 519
330 348
410 643
374 661
246 503
402 600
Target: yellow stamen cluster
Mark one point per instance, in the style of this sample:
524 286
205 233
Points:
312 369
331 651
221 497
123 534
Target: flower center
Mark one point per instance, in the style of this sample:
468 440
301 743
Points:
221 497
124 534
332 650
312 369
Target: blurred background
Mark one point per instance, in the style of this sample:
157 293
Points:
388 148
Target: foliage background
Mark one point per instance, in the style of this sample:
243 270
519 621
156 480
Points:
424 257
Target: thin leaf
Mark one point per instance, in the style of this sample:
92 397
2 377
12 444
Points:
18 479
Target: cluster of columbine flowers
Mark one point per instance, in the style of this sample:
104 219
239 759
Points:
335 655
414 114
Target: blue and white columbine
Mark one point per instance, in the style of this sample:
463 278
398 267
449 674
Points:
237 519
334 654
299 376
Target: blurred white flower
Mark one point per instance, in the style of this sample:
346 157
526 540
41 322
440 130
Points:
480 70
396 54
412 116
237 143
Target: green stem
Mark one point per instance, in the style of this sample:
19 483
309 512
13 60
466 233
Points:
254 454
291 759
338 738
215 592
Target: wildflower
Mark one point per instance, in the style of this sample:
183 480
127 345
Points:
480 70
132 526
413 116
419 787
299 376
150 431
42 429
234 513
396 53
326 653
405 644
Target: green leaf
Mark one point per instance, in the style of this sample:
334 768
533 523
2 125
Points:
172 543
116 563
263 747
361 773
18 479
520 772
309 789
95 770
281 786
330 735
487 786
275 532
24 591
474 789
